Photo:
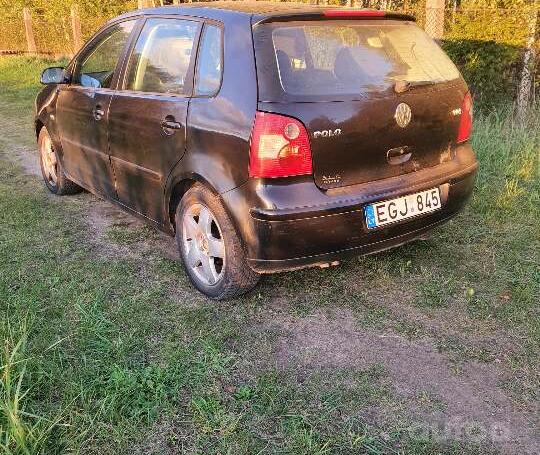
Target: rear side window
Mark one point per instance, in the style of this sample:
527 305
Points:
161 58
210 63
334 58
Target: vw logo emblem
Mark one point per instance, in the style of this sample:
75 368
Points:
403 115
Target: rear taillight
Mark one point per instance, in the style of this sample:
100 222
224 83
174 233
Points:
279 147
465 123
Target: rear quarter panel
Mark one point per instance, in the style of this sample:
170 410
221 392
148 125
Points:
219 127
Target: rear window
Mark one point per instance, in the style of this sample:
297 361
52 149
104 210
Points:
337 58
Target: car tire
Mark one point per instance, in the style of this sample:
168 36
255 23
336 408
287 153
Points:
210 248
51 168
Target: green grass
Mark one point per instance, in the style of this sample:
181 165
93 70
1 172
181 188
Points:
117 354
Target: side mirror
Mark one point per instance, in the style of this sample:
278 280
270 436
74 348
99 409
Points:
54 75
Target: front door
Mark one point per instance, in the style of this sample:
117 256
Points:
147 116
82 110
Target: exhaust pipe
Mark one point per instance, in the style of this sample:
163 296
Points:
326 265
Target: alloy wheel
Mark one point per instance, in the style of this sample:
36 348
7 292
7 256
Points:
49 160
204 248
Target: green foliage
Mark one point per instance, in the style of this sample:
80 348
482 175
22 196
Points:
488 45
491 69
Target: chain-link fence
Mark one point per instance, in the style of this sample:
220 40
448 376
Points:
490 45
54 35
52 30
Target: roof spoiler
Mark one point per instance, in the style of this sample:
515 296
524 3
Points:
335 13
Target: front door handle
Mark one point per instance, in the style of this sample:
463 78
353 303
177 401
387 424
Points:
98 112
169 125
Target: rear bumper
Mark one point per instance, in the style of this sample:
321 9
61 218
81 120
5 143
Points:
280 265
288 225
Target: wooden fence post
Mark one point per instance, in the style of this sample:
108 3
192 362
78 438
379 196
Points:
435 19
30 41
529 56
76 28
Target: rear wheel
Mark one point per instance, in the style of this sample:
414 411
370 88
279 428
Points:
210 247
51 168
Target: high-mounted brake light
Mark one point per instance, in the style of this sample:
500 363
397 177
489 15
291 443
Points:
465 122
279 147
357 13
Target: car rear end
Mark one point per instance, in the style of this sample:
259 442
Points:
360 141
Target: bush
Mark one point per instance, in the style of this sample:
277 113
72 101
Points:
488 46
491 69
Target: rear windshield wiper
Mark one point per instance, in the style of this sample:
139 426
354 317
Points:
403 86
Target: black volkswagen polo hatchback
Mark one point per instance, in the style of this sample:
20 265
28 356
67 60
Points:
265 137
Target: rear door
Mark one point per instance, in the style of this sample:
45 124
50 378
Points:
147 116
379 98
82 109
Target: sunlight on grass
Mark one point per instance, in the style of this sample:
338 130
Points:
511 192
509 155
21 432
21 75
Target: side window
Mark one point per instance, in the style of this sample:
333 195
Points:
209 64
161 57
98 65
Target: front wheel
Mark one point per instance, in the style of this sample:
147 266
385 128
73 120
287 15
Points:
51 168
210 248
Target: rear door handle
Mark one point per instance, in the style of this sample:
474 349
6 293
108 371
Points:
98 112
169 125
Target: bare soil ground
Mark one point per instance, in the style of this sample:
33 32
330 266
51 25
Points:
468 401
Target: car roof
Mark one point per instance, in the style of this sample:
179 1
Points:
262 10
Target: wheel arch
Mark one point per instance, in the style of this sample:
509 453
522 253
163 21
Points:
176 189
179 187
38 124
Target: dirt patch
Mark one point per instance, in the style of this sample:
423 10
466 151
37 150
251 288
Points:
159 439
17 142
28 159
102 217
457 333
472 404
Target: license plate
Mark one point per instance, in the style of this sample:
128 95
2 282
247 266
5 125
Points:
394 210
